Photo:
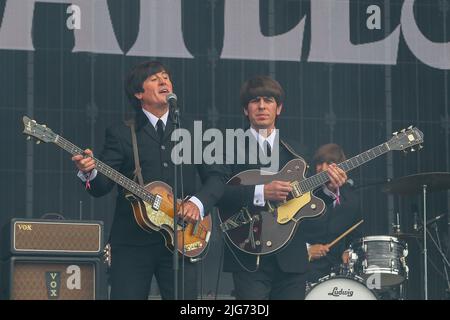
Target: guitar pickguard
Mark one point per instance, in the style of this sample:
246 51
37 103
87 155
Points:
158 217
289 209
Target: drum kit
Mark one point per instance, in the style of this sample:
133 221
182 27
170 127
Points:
378 265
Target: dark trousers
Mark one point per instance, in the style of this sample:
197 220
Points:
269 283
133 267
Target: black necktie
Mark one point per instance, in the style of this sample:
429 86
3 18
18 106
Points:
267 149
160 129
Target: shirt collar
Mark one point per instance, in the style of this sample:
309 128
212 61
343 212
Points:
261 139
154 119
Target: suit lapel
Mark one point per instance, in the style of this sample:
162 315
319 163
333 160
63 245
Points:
142 123
169 128
150 130
145 124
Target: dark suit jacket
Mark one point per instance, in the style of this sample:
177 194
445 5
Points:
328 227
156 164
291 258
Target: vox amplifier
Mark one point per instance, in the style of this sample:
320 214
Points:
52 237
50 278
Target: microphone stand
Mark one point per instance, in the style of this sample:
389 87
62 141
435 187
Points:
175 113
425 251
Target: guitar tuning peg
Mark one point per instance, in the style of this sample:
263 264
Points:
33 121
44 126
28 138
403 130
38 141
410 127
395 133
405 151
412 149
420 146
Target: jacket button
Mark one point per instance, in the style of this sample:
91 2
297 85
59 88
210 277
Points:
163 147
165 165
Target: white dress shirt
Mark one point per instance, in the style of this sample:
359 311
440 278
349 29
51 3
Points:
258 198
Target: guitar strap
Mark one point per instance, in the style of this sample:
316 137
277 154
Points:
137 174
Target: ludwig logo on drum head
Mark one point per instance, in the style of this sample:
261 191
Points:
340 292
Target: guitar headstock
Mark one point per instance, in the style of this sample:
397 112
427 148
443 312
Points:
39 131
406 138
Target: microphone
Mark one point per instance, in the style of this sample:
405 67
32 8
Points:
171 99
437 218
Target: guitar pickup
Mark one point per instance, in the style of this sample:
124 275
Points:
296 192
157 202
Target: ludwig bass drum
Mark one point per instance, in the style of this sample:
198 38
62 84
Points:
334 287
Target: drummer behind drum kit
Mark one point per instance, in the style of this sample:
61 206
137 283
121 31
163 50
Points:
378 264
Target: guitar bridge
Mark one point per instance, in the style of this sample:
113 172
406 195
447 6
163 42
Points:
157 202
193 246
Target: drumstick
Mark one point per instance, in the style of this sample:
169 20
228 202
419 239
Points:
344 234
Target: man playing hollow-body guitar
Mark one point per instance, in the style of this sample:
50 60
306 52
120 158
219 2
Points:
280 275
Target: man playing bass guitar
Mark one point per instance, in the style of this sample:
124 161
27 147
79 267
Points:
138 254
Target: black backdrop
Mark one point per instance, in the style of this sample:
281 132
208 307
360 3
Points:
355 105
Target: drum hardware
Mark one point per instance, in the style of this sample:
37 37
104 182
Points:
380 259
346 269
396 227
406 236
421 183
438 246
405 266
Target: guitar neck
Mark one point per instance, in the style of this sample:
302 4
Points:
111 173
321 178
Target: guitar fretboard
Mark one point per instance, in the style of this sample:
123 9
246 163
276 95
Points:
111 173
321 178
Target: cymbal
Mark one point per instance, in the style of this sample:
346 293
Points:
413 184
403 235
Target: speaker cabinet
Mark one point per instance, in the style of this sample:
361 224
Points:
51 278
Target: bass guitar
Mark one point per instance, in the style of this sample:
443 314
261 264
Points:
152 204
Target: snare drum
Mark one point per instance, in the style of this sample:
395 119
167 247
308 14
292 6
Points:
334 287
380 260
